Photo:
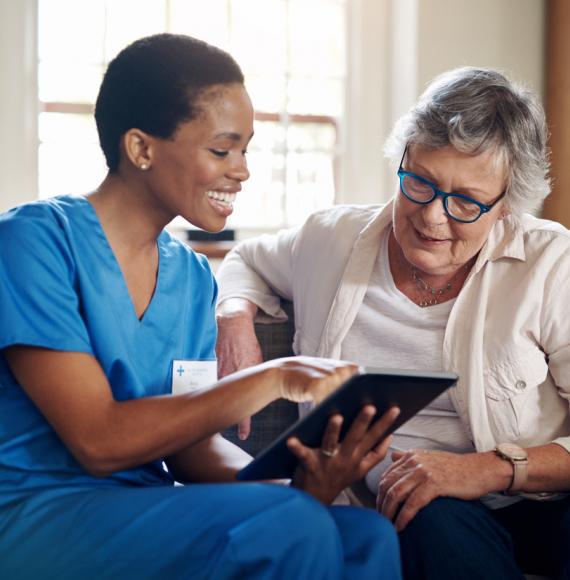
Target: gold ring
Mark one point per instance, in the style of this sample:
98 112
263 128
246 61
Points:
328 453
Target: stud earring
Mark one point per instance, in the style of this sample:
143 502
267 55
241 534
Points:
144 166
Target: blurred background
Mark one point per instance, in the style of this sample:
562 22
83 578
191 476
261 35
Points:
328 78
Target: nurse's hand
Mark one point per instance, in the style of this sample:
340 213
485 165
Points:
326 471
303 378
237 346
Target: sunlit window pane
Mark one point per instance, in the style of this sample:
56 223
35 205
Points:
72 168
128 20
71 31
268 136
267 93
207 20
315 96
69 83
310 184
261 202
258 43
311 137
315 48
61 128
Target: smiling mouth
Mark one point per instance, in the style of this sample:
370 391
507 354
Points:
429 239
222 197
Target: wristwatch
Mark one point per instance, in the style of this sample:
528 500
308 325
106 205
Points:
518 458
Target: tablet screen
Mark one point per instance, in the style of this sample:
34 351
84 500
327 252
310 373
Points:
409 390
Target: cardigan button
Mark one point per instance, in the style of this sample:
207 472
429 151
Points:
521 385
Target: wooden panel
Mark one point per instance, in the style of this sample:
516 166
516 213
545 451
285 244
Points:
557 206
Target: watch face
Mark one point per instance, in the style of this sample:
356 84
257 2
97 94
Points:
512 451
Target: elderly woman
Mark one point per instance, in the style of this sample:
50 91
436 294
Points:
455 274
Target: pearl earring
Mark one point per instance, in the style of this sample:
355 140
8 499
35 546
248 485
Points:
144 166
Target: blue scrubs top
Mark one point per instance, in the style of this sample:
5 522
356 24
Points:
61 288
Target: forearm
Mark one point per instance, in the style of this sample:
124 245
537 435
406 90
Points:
106 435
548 468
214 459
135 432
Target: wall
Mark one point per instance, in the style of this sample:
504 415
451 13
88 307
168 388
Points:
557 205
18 102
508 34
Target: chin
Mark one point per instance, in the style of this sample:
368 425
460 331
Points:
212 228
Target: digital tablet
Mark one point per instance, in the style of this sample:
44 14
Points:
409 390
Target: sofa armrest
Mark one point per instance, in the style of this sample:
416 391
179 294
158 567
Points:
276 341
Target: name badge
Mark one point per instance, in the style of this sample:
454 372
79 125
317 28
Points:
189 376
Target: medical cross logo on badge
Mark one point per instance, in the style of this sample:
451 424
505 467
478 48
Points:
189 376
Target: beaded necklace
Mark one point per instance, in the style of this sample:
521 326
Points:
433 295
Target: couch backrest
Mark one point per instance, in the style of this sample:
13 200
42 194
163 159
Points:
276 341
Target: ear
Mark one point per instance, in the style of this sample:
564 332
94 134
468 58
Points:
505 211
138 148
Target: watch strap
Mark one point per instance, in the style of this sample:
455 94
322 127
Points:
520 475
518 458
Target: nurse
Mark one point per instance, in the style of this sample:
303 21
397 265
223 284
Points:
107 333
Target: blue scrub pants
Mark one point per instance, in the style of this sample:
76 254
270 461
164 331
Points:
452 539
245 531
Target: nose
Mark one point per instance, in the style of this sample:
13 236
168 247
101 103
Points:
238 170
434 213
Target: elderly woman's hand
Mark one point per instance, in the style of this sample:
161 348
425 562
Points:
326 471
237 346
419 476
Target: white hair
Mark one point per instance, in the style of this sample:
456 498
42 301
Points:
475 110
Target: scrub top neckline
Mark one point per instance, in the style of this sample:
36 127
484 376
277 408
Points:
118 272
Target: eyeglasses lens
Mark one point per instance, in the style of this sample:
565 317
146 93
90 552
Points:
462 209
417 190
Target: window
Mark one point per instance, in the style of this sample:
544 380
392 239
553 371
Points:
292 53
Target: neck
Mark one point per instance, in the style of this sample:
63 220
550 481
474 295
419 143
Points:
127 214
422 288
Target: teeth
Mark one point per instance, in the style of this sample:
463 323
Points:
224 197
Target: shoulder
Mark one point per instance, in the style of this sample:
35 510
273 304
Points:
347 221
545 237
37 226
349 217
178 251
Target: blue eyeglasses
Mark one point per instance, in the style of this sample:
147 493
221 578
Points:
457 206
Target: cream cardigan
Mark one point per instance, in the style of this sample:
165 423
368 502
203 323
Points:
508 334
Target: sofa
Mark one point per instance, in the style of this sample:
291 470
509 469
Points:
276 341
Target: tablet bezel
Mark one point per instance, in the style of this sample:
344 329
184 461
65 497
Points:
408 389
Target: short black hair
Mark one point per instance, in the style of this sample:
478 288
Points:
153 85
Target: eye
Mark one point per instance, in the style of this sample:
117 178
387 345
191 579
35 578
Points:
219 152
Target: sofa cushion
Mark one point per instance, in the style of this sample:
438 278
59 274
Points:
276 341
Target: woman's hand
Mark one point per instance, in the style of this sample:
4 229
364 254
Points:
418 476
326 471
303 378
237 346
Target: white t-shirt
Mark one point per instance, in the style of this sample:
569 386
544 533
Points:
409 337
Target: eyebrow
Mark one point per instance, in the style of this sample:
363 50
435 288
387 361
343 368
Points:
474 190
231 136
